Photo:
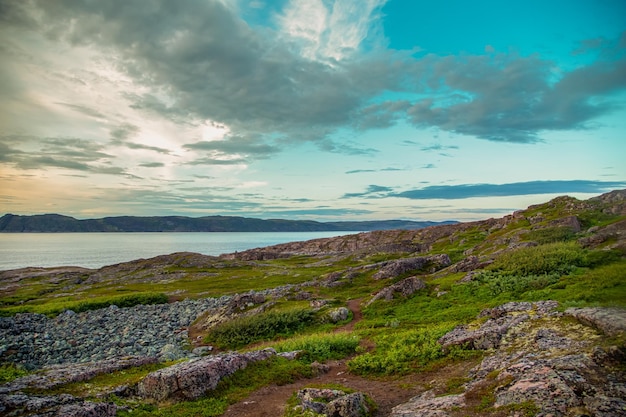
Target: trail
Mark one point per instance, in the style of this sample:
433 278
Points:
271 401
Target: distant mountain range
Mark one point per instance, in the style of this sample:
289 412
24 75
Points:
56 223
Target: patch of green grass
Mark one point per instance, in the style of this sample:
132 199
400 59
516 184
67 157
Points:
243 331
55 308
550 235
10 372
320 347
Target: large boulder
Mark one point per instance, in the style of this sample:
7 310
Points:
190 380
333 402
406 288
398 267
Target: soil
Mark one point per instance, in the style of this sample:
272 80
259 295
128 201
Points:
271 401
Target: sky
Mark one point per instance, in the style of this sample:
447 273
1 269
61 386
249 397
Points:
309 109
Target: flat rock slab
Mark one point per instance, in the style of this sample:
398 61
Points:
611 321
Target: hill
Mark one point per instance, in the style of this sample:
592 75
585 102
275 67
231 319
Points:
519 316
56 223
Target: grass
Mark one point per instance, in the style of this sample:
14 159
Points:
10 372
320 347
55 308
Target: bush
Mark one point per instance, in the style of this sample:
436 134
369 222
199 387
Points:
242 331
551 258
402 351
320 347
499 283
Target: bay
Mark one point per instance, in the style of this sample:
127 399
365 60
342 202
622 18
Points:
95 250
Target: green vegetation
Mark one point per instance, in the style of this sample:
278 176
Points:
54 308
10 371
320 347
243 331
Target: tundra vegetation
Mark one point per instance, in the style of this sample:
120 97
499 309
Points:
566 250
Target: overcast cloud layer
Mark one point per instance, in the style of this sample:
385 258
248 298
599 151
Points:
206 106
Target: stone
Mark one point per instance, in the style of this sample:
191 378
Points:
338 314
427 405
406 288
190 380
333 402
398 267
611 321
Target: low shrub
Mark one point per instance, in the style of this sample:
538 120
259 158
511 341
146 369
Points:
243 331
401 351
551 258
320 347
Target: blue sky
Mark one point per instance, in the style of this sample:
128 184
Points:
309 109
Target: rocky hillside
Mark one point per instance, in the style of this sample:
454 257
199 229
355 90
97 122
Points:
519 316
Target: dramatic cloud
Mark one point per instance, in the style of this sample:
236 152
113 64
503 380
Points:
510 98
454 192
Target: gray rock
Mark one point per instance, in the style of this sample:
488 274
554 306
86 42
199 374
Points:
190 380
427 405
333 403
611 321
398 267
338 314
406 288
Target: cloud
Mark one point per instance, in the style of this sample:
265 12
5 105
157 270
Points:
67 153
235 145
359 171
152 165
454 192
373 191
509 98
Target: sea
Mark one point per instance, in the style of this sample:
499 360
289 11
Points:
95 250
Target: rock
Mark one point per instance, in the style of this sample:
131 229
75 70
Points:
406 288
427 405
333 403
611 321
61 405
190 380
339 314
202 350
398 267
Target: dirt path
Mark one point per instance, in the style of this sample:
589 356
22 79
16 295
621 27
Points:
271 401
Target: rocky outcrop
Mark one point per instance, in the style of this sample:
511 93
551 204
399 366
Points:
405 288
190 380
56 375
551 366
392 269
333 403
490 333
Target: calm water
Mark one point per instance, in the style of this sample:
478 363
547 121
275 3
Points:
94 250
